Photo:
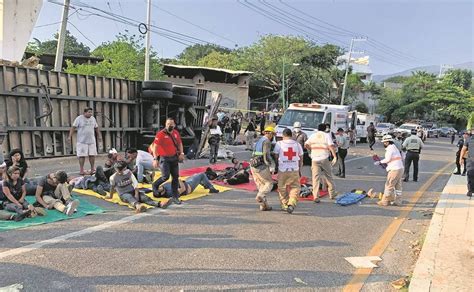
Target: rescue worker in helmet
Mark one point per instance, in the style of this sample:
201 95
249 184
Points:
262 166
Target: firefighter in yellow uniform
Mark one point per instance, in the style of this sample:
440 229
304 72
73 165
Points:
289 155
321 145
260 165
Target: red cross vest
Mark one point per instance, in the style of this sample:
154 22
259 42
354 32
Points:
289 152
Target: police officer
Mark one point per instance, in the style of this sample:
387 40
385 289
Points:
260 165
321 146
289 155
413 146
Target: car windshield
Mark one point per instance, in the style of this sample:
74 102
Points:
407 127
308 119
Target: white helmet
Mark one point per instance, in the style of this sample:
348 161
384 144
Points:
297 125
387 138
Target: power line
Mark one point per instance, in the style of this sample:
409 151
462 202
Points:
53 23
196 25
82 33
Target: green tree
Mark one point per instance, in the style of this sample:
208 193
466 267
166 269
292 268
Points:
397 79
192 54
123 58
361 107
217 59
459 77
71 46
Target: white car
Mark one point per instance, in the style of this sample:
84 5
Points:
384 129
411 129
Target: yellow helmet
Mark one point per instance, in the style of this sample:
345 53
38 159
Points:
269 129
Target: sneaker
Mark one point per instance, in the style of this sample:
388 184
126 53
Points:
40 211
175 201
140 208
71 207
457 173
290 209
20 217
213 191
265 208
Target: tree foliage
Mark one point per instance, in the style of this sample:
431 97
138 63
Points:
123 58
71 46
192 54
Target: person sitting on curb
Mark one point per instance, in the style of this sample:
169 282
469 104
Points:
187 186
14 192
53 191
124 182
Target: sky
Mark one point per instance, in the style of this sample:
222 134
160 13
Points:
401 34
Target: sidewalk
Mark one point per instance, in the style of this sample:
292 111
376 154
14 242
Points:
446 262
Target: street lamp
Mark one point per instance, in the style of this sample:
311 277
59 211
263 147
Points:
284 103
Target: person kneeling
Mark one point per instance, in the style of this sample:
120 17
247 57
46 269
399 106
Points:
186 186
53 191
126 185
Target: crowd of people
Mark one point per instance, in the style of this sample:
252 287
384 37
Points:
122 173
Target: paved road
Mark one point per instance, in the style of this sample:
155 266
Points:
224 242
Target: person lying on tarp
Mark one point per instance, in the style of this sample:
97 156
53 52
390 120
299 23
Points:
98 182
124 182
186 187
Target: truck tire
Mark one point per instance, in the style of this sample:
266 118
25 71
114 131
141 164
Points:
181 90
184 99
157 85
157 94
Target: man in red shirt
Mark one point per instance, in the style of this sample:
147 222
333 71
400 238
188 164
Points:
169 152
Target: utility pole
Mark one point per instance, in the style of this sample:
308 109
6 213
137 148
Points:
58 62
147 50
347 67
283 85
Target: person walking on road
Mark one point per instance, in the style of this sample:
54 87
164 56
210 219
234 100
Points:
169 153
86 146
215 134
371 135
249 134
343 145
469 162
260 166
413 146
321 146
393 184
460 145
298 135
289 155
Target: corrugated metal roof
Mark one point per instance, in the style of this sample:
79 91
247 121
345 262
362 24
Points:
233 72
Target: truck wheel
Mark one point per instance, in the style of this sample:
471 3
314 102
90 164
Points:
157 94
181 90
157 85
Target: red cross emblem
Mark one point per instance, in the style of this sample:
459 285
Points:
290 153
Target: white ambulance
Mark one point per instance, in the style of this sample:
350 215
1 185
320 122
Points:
310 115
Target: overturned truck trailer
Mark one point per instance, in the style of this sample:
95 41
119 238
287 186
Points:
38 107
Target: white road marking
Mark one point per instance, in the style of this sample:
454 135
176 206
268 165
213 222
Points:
40 244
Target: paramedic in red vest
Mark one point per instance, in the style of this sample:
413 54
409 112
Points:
289 155
260 165
393 159
321 146
169 152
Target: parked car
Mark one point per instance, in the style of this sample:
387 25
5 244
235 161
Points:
433 133
384 129
408 129
445 132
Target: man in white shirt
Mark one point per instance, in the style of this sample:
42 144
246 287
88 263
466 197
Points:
393 185
289 155
143 162
214 140
321 145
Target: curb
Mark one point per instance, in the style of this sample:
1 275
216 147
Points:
453 216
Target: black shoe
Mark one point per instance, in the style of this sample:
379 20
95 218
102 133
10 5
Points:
469 194
290 209
19 217
342 176
337 174
213 191
463 174
415 180
457 173
405 180
175 201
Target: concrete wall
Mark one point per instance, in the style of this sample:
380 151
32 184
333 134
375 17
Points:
17 20
233 95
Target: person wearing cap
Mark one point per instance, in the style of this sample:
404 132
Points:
112 158
289 155
124 182
52 191
214 139
393 184
343 145
260 166
298 135
321 146
469 161
412 145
